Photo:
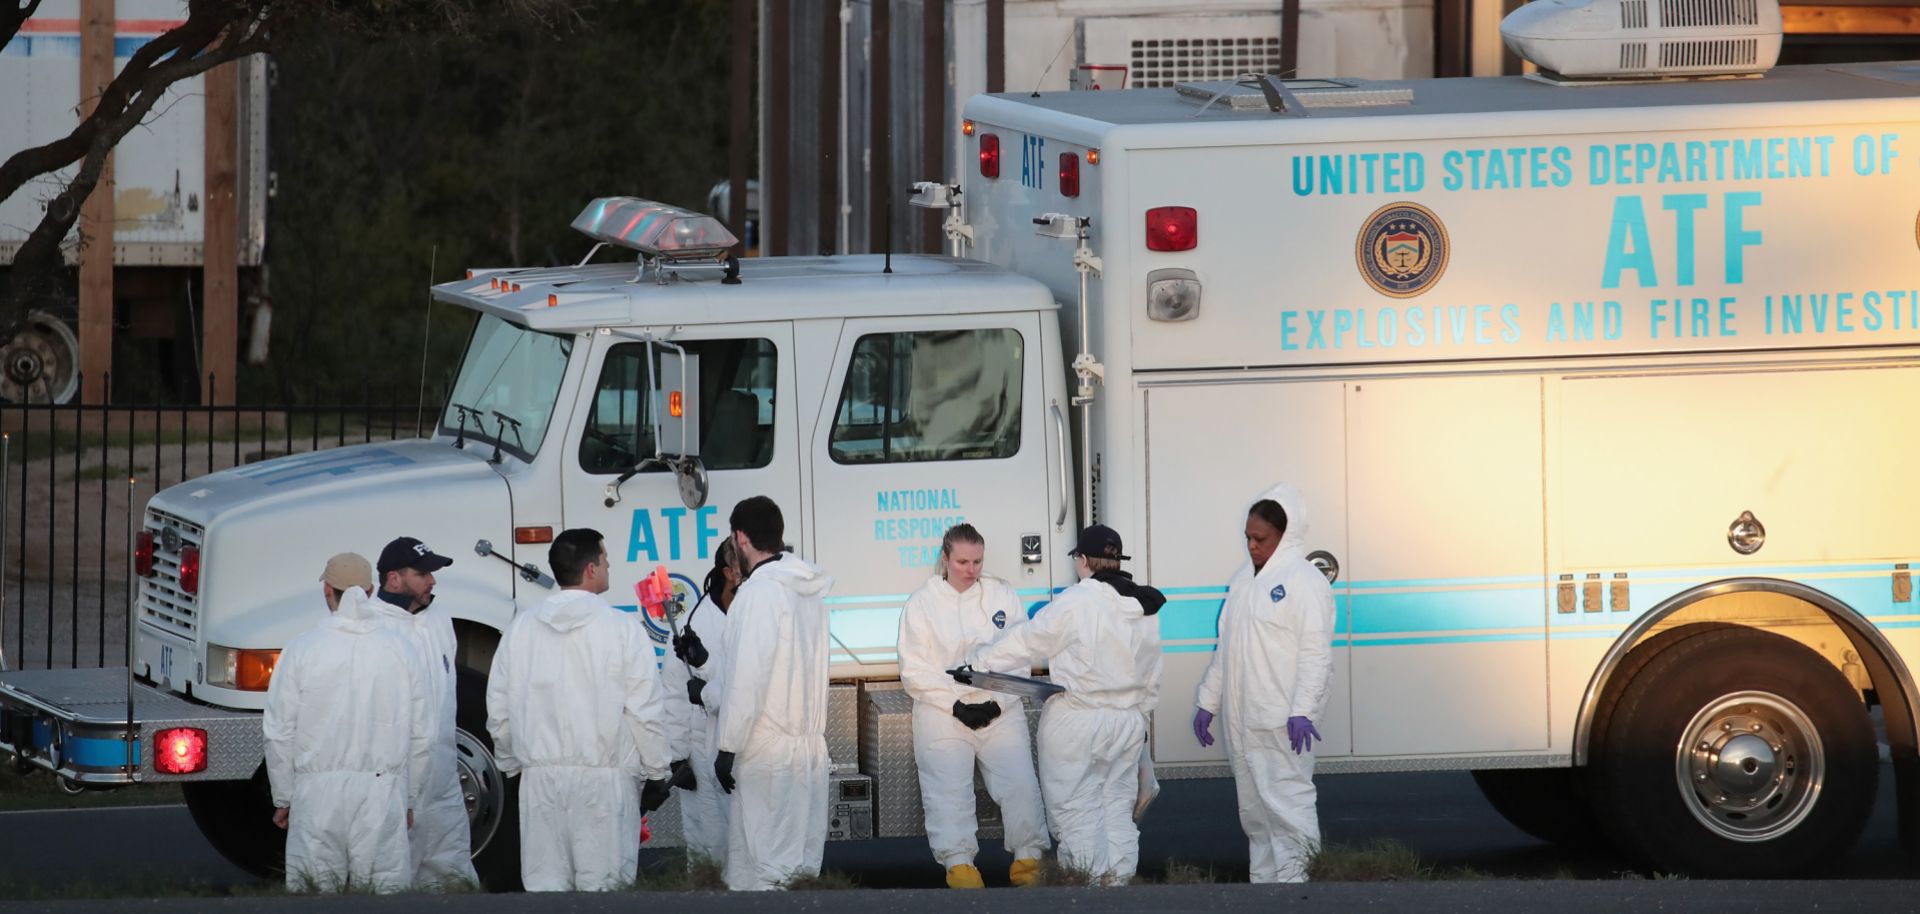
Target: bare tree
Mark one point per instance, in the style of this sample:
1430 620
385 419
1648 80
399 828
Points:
214 32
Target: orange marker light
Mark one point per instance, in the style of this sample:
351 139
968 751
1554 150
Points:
552 300
675 406
966 128
516 287
1093 157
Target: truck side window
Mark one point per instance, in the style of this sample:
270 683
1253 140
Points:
930 395
736 407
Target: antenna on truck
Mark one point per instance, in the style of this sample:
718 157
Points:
1044 73
426 338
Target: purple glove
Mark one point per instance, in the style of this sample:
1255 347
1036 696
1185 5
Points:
1301 734
1203 726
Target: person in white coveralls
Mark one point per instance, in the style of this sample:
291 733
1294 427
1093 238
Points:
1268 682
957 610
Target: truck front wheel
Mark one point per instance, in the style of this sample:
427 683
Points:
237 819
1736 753
493 809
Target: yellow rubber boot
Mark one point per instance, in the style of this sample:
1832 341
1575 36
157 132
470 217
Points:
964 876
1024 873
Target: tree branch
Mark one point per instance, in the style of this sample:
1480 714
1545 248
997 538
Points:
37 263
13 15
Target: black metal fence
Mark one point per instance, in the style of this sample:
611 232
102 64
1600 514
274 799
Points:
75 480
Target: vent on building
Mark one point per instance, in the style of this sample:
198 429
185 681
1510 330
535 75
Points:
1633 14
1160 62
1724 52
1705 13
1633 55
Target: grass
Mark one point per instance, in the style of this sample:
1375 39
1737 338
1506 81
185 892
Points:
1380 860
105 471
682 872
38 789
825 881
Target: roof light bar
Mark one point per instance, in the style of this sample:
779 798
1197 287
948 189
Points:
655 229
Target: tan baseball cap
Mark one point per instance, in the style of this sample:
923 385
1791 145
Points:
348 569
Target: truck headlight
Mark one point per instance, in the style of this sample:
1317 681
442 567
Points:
246 669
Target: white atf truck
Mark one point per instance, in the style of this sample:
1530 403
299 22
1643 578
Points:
1598 391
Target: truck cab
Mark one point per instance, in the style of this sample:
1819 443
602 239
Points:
878 400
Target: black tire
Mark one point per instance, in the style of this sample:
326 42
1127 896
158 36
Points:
496 833
237 819
1735 753
1548 803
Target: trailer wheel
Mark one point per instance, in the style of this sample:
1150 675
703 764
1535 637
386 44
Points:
1736 753
41 363
1548 803
237 819
493 802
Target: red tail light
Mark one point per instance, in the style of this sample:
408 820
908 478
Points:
1069 174
989 155
180 750
143 554
1173 228
190 569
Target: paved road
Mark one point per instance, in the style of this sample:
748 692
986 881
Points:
1441 816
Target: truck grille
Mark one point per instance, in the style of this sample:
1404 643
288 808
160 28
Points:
162 604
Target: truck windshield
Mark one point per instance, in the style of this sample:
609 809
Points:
508 371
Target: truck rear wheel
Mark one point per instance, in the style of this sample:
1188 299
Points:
237 819
1548 803
1735 753
493 807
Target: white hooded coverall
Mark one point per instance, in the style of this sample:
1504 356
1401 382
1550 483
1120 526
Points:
442 837
1274 661
938 629
773 717
574 706
345 757
1105 650
703 810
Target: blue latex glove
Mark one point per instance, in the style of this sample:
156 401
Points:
1203 726
1301 734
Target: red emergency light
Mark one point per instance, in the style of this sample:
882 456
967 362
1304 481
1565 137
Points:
143 554
1173 228
190 569
180 750
1069 174
989 155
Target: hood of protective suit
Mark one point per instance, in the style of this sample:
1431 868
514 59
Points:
569 609
797 574
1150 598
357 612
1294 541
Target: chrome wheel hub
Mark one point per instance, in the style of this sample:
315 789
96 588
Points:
482 786
1750 766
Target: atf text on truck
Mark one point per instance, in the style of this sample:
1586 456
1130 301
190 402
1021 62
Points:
1597 395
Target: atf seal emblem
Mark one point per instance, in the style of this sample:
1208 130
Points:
1402 250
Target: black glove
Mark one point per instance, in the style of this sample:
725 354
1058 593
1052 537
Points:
681 776
687 646
654 795
962 674
977 715
723 771
695 687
